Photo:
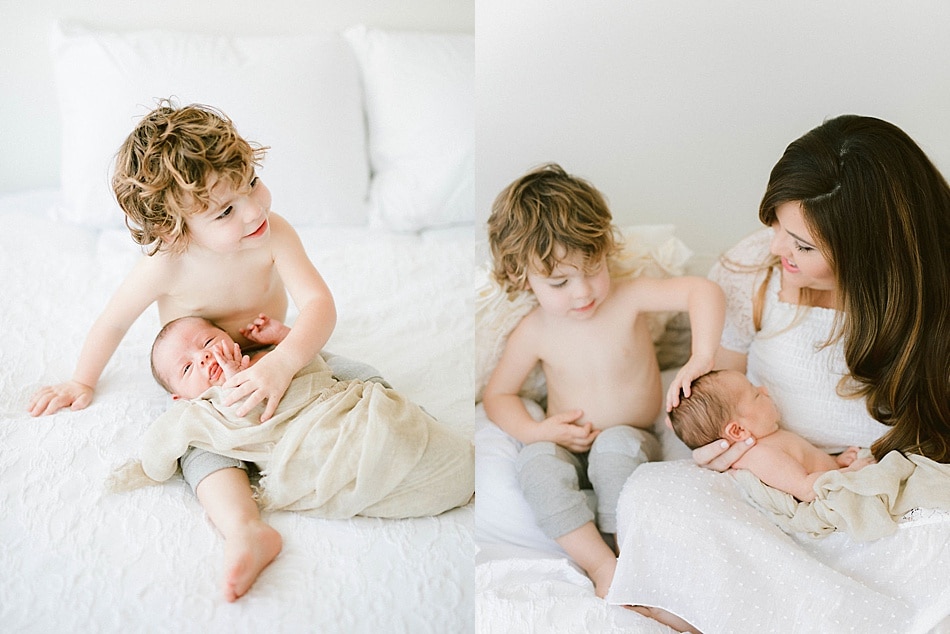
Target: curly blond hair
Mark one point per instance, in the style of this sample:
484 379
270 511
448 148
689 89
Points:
545 209
164 169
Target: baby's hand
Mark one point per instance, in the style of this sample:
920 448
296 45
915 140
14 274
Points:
265 331
694 368
562 429
230 358
846 457
859 464
52 398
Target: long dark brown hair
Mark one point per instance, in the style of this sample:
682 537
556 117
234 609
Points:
880 212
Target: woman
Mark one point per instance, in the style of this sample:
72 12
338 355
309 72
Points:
842 309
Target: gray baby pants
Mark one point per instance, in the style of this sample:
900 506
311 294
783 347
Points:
197 464
552 478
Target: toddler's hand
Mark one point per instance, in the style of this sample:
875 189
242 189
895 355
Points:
266 380
563 430
694 368
230 359
52 398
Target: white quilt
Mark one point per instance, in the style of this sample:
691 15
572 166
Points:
76 558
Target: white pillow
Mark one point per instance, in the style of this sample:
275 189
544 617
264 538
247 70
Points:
300 95
420 108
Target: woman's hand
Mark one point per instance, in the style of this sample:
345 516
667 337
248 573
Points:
563 430
720 455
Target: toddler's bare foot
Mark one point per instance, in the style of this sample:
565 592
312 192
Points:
246 553
603 576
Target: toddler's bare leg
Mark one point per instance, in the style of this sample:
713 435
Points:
250 544
586 547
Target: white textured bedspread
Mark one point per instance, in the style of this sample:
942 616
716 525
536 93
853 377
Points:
75 558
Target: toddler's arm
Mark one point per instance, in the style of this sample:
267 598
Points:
269 378
133 296
706 304
505 409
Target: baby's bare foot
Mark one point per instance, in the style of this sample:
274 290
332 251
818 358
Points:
603 576
246 554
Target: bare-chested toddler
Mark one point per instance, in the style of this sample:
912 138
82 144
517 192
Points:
551 233
186 181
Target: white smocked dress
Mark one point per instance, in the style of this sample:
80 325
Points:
691 544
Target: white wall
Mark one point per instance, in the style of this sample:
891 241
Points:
29 118
677 109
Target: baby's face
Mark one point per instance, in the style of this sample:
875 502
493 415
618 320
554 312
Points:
755 408
184 357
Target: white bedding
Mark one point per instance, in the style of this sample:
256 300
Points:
75 558
524 583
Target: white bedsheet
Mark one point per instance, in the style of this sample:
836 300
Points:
75 558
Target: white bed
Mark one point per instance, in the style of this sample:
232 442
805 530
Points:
78 558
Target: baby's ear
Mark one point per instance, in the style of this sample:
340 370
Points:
735 432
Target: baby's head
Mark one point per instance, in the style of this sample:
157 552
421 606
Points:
182 359
166 168
544 218
723 404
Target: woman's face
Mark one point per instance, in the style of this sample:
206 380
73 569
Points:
803 265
